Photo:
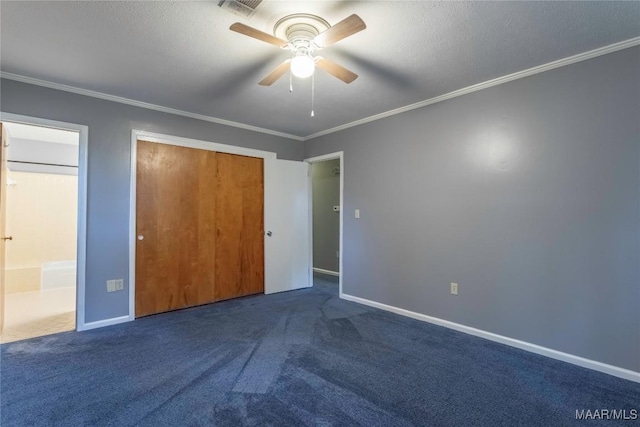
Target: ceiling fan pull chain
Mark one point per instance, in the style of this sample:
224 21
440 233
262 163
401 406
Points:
313 91
290 81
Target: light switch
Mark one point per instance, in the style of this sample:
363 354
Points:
454 288
357 213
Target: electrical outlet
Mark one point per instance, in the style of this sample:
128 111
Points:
115 285
454 288
357 213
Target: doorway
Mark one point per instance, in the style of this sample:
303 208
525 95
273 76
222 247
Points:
327 185
40 185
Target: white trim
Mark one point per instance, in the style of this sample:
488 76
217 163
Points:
331 156
310 219
132 225
490 83
200 144
81 269
83 149
327 272
169 140
523 345
140 104
105 322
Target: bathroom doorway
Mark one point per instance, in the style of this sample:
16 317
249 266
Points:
327 183
40 237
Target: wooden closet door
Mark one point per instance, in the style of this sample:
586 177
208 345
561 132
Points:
175 216
239 226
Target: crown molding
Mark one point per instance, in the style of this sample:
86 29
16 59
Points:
474 88
148 106
490 83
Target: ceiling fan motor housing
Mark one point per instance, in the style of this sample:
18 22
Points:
301 36
300 29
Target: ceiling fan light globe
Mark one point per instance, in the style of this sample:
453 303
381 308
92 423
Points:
302 66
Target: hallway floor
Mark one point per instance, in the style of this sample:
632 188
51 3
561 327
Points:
34 314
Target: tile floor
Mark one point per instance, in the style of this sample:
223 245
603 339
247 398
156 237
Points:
34 314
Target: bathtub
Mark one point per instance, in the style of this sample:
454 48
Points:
58 274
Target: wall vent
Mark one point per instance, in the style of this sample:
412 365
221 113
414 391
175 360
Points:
246 8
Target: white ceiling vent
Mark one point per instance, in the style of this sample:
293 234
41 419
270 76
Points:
246 8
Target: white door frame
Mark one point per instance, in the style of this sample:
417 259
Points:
181 142
317 159
83 147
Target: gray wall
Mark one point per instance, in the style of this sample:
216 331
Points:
526 194
326 222
110 126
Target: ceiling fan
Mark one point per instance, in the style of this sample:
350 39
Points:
304 34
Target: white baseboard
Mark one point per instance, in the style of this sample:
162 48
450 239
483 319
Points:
329 272
523 345
102 323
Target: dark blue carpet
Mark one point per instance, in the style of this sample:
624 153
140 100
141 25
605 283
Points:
297 358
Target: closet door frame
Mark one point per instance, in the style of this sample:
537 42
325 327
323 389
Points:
180 142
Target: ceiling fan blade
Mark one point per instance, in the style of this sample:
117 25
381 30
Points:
257 34
275 74
342 29
336 70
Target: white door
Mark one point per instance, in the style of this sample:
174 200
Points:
287 244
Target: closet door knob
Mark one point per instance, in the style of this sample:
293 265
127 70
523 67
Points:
269 233
140 237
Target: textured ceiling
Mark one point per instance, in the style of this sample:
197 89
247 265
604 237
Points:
182 55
